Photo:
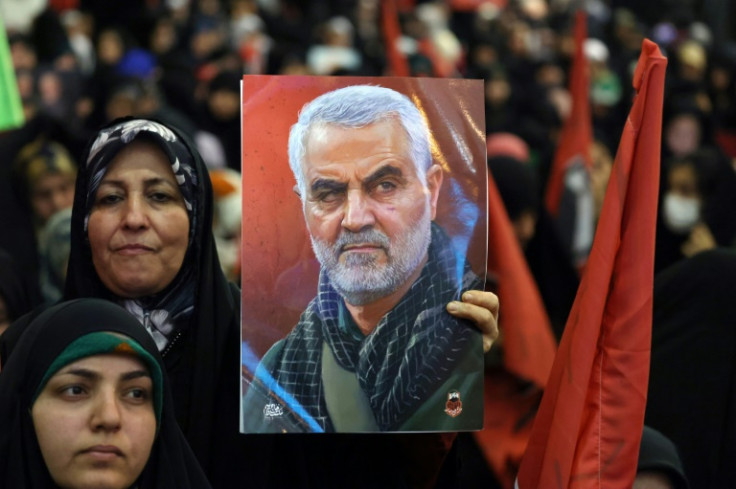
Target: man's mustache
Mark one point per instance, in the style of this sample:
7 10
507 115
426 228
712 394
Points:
367 236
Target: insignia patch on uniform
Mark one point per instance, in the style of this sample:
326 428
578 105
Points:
272 410
453 406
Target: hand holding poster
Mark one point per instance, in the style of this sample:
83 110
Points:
388 184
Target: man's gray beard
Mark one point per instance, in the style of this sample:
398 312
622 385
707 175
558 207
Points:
360 280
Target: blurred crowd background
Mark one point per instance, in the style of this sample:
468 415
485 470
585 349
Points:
82 63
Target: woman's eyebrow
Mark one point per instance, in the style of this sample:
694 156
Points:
92 375
135 374
148 182
81 372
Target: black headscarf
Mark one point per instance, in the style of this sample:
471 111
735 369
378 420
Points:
14 289
204 374
657 453
171 464
202 362
692 393
177 298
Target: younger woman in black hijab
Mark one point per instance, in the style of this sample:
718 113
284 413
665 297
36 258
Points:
69 334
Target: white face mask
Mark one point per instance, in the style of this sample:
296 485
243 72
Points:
681 213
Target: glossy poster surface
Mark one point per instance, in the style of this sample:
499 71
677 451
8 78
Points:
392 196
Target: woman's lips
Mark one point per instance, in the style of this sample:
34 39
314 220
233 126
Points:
133 249
103 452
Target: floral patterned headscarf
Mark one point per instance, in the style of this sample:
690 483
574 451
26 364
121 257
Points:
111 140
166 308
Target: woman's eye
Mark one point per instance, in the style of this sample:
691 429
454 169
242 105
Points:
161 197
138 394
73 391
109 199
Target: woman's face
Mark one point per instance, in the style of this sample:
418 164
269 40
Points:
95 422
138 228
683 180
683 134
50 194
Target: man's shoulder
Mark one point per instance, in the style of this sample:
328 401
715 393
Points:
307 330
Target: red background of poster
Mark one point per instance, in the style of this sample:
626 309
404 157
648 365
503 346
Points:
279 275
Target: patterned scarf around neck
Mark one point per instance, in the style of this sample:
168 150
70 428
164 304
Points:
411 352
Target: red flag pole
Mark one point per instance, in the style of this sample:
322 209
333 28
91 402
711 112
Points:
588 428
577 131
391 33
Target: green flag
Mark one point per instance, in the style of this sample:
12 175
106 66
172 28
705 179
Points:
11 110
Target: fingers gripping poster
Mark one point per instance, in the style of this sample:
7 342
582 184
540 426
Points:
364 215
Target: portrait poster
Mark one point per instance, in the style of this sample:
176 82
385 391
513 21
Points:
347 273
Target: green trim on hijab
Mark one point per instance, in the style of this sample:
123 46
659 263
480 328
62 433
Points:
101 343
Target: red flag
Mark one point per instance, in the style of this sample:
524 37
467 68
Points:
528 342
588 428
391 33
577 131
528 348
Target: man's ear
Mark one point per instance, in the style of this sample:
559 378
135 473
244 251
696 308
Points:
296 191
434 182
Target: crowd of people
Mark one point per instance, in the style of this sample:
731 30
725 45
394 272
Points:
93 76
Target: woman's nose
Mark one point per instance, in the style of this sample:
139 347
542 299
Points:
106 411
135 213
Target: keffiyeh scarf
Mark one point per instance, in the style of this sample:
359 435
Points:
411 352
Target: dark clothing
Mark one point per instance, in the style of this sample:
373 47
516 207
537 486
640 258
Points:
204 384
201 358
15 289
202 364
413 351
171 465
551 266
691 389
657 453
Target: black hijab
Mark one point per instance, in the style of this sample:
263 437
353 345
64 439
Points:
657 453
177 298
692 393
202 362
204 375
14 289
171 464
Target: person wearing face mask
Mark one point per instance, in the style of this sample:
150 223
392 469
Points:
683 231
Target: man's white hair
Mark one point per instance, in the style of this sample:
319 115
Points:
358 106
